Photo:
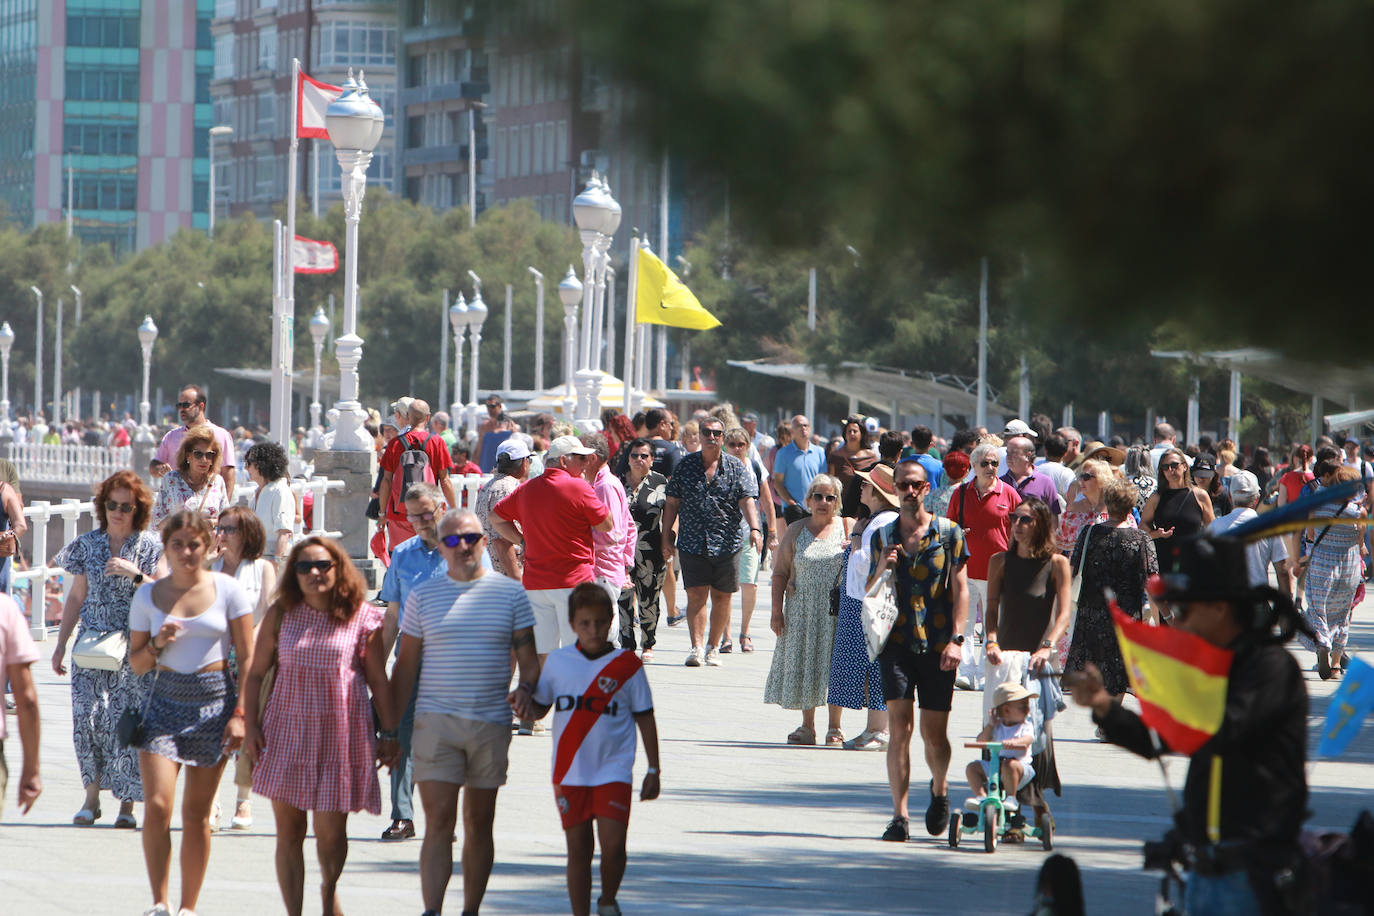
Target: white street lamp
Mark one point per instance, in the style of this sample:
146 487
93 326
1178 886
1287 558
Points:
6 342
57 372
76 392
598 216
538 328
219 130
458 321
147 334
38 356
570 293
477 315
319 330
354 123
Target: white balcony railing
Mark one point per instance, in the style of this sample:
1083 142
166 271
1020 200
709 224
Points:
80 464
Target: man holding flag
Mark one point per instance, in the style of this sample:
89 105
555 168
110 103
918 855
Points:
1219 686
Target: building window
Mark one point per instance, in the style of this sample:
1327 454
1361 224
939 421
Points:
267 48
499 153
102 138
266 124
224 56
538 148
203 85
265 177
105 192
359 43
102 83
226 9
563 145
118 30
200 196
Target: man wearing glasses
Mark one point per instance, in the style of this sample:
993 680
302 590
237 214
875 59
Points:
457 636
708 495
413 561
191 410
982 507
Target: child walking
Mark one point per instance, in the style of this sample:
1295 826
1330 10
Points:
599 694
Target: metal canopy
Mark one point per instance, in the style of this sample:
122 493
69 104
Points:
913 391
1341 384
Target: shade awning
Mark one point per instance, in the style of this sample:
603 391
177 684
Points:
1341 384
912 391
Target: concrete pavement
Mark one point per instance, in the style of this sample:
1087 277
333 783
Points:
745 825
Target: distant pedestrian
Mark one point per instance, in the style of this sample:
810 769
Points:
17 654
796 464
273 503
513 460
614 549
401 466
645 489
191 409
195 483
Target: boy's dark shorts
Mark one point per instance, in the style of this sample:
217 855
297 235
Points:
907 675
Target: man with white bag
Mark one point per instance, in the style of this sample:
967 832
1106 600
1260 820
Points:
922 653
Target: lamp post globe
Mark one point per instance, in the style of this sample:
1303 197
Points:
570 294
350 120
147 335
6 342
319 331
458 321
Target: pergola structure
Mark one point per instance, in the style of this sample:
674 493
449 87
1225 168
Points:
893 391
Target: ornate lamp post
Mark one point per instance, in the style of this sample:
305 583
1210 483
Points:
538 328
319 330
38 356
147 334
597 215
354 123
6 342
570 293
458 321
477 315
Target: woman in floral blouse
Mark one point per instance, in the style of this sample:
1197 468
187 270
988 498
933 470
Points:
195 483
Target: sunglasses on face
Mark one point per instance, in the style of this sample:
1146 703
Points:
226 529
640 456
203 456
112 506
825 497
713 433
909 484
988 464
453 540
420 516
1171 466
186 405
1022 520
1086 477
304 567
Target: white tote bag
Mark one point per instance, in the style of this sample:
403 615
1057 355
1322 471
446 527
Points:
880 613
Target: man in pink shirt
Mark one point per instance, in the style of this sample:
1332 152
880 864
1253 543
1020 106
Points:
17 653
191 410
556 512
614 549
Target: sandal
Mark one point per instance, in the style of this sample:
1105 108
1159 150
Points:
803 735
745 643
86 817
834 738
125 821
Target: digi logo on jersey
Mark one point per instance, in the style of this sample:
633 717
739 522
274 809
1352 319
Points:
597 705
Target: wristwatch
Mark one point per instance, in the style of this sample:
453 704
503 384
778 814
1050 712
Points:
138 579
1046 644
957 639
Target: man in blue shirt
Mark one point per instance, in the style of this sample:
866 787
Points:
794 467
921 437
415 560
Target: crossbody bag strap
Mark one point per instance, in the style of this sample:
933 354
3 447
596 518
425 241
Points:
1083 557
1327 528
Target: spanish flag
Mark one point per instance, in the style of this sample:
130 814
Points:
663 299
1179 678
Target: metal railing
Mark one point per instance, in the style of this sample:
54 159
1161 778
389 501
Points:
317 487
81 464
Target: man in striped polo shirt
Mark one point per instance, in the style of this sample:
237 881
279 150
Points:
458 631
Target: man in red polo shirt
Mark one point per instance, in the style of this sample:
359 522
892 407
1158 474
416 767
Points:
398 527
557 512
982 507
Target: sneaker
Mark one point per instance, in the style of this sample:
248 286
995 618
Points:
675 619
160 909
713 657
963 683
539 728
694 658
897 831
937 815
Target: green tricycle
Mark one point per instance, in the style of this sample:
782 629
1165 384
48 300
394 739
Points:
996 815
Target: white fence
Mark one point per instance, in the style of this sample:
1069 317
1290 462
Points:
78 517
81 464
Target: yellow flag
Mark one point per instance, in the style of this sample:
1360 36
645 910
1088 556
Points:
663 299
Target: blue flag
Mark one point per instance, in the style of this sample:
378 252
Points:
1349 706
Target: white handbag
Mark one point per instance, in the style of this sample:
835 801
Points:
101 651
880 613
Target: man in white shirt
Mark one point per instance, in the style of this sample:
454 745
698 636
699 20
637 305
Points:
1245 494
1165 437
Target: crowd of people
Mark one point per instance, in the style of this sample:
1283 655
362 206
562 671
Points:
197 632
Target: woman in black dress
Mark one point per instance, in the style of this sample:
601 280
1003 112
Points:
1118 557
1178 508
644 486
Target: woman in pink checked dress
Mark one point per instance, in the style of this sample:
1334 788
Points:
313 741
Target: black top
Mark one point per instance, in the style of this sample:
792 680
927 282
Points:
1178 509
1263 742
1222 503
666 456
1027 602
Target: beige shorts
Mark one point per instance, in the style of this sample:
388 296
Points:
465 752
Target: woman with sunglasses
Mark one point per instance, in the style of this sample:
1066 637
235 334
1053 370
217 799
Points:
182 626
195 483
645 488
750 560
809 558
107 565
314 748
241 539
1178 508
1085 505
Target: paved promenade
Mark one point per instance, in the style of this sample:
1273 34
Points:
745 824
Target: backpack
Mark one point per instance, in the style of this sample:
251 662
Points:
414 467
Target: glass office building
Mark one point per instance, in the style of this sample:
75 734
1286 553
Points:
111 97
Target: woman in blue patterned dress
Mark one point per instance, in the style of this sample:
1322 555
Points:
107 566
1334 569
855 682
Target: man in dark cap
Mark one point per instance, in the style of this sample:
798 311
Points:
1245 857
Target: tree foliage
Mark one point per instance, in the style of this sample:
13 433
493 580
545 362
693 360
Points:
1147 160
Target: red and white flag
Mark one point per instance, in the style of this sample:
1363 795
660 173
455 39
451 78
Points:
312 257
312 99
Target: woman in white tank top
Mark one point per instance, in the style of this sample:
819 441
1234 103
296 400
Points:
241 541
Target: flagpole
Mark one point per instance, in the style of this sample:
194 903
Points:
288 317
631 308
